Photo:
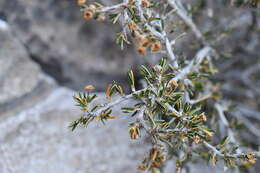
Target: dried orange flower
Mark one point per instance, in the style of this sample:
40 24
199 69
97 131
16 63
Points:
156 46
81 2
88 15
134 132
156 164
89 88
141 168
251 158
144 42
132 26
203 117
145 3
173 83
141 50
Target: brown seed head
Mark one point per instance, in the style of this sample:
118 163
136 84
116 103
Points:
156 164
88 15
145 3
251 158
132 26
173 83
203 117
89 88
141 168
134 132
156 46
144 42
141 50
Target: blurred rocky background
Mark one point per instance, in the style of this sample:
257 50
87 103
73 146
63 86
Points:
48 51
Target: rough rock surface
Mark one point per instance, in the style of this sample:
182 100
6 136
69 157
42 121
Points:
37 140
57 37
19 76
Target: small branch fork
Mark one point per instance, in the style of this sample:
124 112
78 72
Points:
114 103
114 7
217 152
224 120
162 36
183 14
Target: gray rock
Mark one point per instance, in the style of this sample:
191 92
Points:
19 76
67 46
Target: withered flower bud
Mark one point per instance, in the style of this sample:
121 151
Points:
144 42
132 26
88 15
173 83
145 3
134 132
203 117
251 158
141 168
156 46
89 88
156 164
81 2
141 50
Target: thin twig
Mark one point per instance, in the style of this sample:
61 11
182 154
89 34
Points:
183 14
113 7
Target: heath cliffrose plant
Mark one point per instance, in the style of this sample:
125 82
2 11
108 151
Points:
171 105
